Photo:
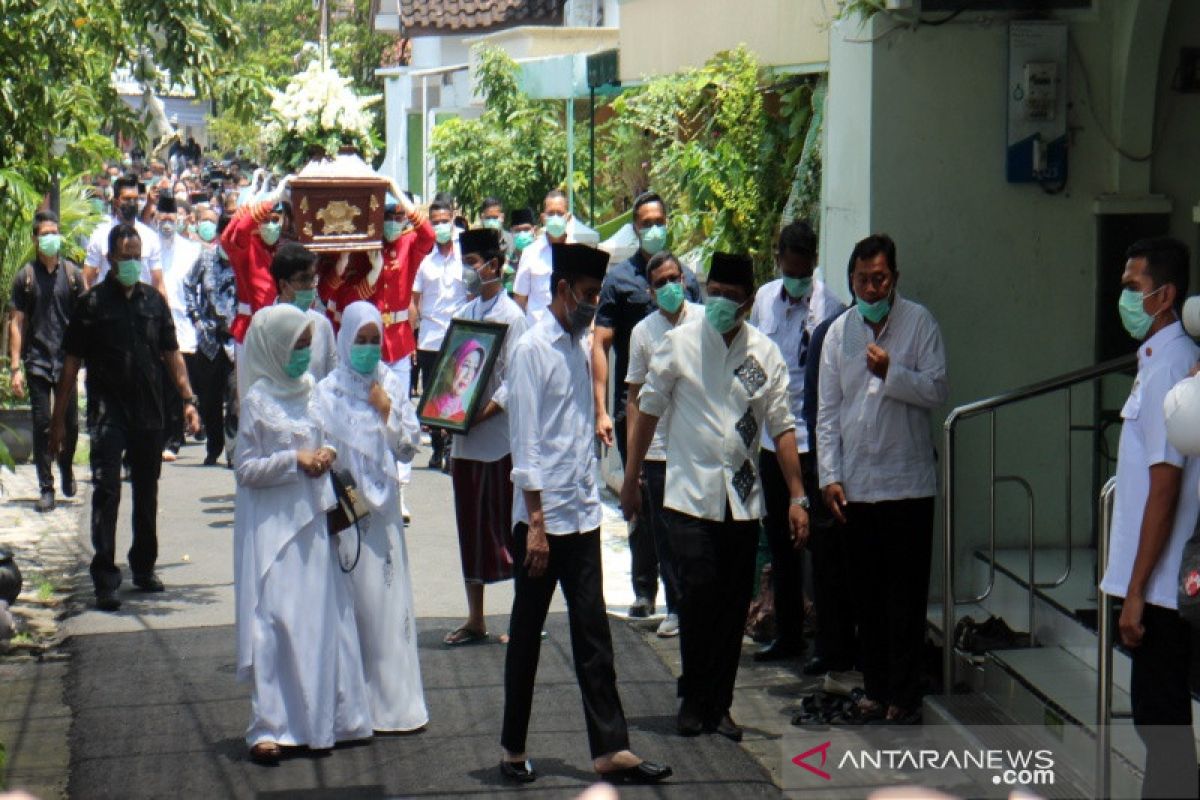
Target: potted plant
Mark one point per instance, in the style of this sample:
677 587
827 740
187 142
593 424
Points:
16 422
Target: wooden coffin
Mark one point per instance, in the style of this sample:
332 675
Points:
339 213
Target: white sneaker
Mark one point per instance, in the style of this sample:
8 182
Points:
168 456
669 627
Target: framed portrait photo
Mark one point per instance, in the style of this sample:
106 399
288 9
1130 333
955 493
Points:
460 377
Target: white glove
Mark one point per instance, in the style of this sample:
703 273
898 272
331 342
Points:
282 192
376 259
256 180
340 267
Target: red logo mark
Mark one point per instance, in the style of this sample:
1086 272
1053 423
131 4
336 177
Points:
1191 585
801 760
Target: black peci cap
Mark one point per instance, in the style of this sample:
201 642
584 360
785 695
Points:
520 216
167 204
580 260
479 240
732 269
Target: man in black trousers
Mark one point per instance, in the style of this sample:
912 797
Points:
556 506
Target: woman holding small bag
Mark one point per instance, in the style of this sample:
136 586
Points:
297 642
364 414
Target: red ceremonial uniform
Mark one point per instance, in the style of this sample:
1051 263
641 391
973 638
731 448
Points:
393 295
338 291
250 259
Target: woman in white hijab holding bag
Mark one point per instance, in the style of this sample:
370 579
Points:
365 415
296 638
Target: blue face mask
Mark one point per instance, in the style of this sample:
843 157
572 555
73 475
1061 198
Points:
492 223
443 231
721 313
522 239
207 230
270 232
298 362
874 312
797 287
392 230
653 238
669 297
364 357
129 271
556 225
1133 314
304 299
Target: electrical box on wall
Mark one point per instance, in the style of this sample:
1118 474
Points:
1037 102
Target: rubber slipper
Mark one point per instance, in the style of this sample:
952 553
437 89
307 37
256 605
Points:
464 636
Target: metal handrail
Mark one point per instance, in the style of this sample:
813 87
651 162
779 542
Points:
990 406
1104 661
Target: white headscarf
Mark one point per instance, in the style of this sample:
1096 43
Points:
273 333
350 421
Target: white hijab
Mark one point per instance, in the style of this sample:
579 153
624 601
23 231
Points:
351 422
273 333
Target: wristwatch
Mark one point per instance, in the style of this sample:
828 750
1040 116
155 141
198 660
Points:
193 401
801 501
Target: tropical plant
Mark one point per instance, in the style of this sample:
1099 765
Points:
318 111
721 143
516 150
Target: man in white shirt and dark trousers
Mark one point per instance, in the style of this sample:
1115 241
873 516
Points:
556 508
723 382
788 310
124 210
665 277
1154 513
883 369
178 255
437 293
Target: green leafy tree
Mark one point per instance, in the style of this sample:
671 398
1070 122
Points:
516 150
57 59
721 144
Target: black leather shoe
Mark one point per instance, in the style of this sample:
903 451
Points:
641 608
68 483
435 462
211 460
779 650
107 601
645 772
148 582
689 722
518 771
728 728
45 502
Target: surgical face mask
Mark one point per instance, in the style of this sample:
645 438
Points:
304 298
797 287
653 239
669 297
443 231
129 271
722 313
522 239
96 205
1133 315
166 228
49 244
556 225
298 361
874 312
579 319
364 357
492 222
392 230
270 232
127 210
207 230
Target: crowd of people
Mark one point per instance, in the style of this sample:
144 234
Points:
732 406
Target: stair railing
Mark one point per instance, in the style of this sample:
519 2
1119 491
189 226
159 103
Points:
1063 383
1104 661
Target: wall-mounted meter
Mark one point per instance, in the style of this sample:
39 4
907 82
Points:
1037 102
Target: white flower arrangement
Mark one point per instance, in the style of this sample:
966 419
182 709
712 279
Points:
318 113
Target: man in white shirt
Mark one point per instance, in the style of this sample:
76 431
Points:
556 508
883 369
481 470
1154 514
723 382
531 286
437 293
178 256
788 310
665 278
124 209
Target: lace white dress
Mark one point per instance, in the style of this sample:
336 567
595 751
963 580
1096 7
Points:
297 642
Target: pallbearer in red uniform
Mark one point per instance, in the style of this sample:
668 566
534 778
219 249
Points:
249 244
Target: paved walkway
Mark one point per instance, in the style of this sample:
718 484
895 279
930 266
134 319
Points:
195 529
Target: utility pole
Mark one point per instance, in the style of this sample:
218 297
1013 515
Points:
323 36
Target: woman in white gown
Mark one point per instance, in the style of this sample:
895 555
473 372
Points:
366 417
295 623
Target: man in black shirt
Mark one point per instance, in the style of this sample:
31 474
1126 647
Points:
122 332
625 300
43 292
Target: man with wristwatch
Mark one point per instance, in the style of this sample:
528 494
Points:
724 382
122 332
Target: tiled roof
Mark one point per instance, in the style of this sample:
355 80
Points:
425 17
